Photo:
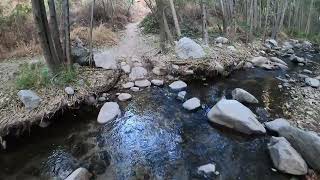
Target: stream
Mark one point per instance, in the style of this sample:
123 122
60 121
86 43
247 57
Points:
155 138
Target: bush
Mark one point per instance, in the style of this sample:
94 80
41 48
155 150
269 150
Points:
150 24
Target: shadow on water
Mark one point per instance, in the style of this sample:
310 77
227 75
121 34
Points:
155 138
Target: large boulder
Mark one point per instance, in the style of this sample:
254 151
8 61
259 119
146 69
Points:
29 98
192 104
306 143
80 174
108 112
234 115
178 85
242 95
186 48
105 60
285 158
138 73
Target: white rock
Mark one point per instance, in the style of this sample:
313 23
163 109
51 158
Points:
80 174
187 48
277 124
234 115
207 169
312 82
178 85
175 67
157 82
69 90
124 97
259 61
221 40
142 83
108 112
102 99
188 72
285 158
135 89
192 104
181 95
126 68
29 98
105 60
138 73
242 95
128 85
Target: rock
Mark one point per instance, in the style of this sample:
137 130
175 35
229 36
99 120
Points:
296 59
268 66
192 104
138 73
318 77
69 90
306 45
91 100
287 46
259 61
302 76
178 85
307 71
248 65
108 112
187 48
126 68
285 158
80 55
315 83
306 143
124 97
30 99
128 85
277 124
232 48
142 83
243 96
272 42
135 89
159 71
188 72
157 82
175 67
105 60
234 115
277 60
221 40
181 95
102 99
281 66
207 169
80 174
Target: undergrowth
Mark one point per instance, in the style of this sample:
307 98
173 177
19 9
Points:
37 75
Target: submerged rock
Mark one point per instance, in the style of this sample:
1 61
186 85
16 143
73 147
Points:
178 85
207 169
30 99
242 95
186 48
234 115
124 97
192 104
181 95
277 124
80 174
138 73
285 158
312 82
306 143
108 112
142 83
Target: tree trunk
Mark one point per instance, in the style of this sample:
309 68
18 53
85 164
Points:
55 30
175 18
307 30
67 32
41 22
91 33
160 9
167 29
204 22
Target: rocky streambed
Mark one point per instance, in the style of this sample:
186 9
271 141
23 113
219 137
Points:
160 136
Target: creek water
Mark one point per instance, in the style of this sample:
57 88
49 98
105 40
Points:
155 138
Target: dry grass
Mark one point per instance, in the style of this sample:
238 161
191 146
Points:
102 36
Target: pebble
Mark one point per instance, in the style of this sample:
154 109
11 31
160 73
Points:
135 89
69 90
128 85
157 82
124 97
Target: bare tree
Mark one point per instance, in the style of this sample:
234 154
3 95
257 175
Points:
67 32
91 32
175 18
204 22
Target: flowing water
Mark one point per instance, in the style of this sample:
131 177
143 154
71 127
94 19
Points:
155 138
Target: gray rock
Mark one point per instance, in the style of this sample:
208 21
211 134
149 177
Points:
159 71
181 95
102 99
307 71
221 40
157 82
80 174
126 68
187 48
30 99
142 83
272 42
306 143
281 66
178 85
277 124
277 60
259 61
192 104
108 112
128 85
207 169
234 115
248 65
242 95
80 55
312 82
135 89
105 60
69 90
138 73
124 97
306 45
285 158
302 76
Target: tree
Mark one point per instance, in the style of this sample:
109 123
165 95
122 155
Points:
175 18
204 22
